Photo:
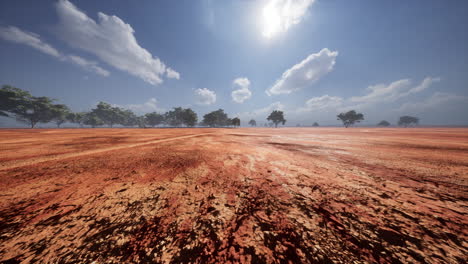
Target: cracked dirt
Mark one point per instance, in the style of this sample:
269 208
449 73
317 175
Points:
289 195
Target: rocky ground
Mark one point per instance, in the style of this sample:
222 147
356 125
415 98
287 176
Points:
287 195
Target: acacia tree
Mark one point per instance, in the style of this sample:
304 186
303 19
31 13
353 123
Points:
109 114
153 119
216 118
276 117
12 99
174 117
252 122
189 117
77 118
60 113
179 116
92 119
235 121
350 117
35 110
408 120
383 123
141 121
128 118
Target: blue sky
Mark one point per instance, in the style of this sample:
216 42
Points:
311 59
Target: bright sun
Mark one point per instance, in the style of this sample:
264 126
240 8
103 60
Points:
271 20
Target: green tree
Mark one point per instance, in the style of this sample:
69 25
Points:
174 117
92 119
277 117
235 121
408 120
12 99
216 118
153 119
350 117
35 110
315 124
59 114
189 117
141 121
127 117
77 118
108 114
383 123
252 122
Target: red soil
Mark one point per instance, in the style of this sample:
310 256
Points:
302 195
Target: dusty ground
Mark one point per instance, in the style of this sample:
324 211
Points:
289 195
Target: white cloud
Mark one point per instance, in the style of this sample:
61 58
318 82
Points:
305 73
262 113
321 103
392 92
112 41
87 65
149 106
421 87
241 92
33 40
17 35
171 74
279 15
205 96
438 99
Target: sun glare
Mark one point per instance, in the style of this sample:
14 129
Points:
271 20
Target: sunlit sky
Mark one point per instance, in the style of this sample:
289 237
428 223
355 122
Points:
311 59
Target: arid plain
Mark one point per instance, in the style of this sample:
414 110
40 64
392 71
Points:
259 195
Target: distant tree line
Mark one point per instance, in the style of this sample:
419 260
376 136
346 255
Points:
31 110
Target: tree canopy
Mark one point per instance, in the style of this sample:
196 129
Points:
408 121
277 117
383 123
35 110
60 112
315 124
179 116
12 99
252 122
235 121
350 118
153 119
216 118
91 119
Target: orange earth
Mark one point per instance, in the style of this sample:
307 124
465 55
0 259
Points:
259 195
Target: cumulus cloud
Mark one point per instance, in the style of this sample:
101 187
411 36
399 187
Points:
171 74
321 103
241 92
149 106
16 35
280 15
204 96
111 40
305 73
